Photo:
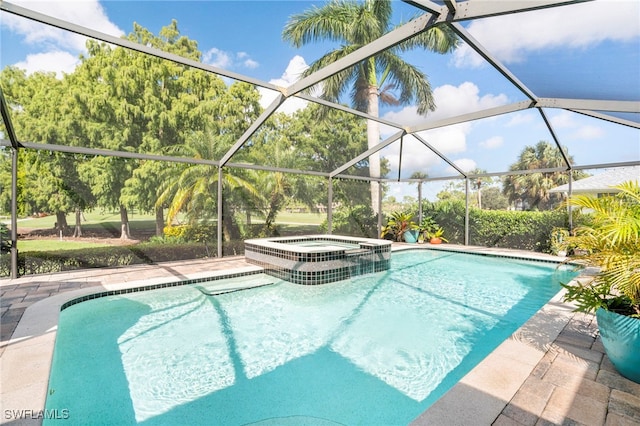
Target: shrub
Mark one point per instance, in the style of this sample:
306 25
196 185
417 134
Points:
357 221
524 230
46 262
186 233
5 238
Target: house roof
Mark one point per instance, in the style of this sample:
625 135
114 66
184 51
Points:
602 182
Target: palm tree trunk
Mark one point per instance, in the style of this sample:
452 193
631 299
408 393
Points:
159 221
373 139
420 203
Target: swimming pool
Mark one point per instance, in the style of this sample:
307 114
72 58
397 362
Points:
377 349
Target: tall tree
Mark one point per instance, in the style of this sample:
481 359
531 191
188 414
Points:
480 182
421 176
130 101
383 79
38 103
191 188
531 190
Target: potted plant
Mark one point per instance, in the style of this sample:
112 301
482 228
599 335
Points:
400 227
435 237
557 241
427 226
612 244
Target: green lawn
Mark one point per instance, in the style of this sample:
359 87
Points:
88 219
295 218
140 220
54 245
288 224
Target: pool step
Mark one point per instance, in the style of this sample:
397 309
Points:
218 292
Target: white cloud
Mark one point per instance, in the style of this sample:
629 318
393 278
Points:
250 63
417 157
217 58
492 143
88 13
450 101
58 62
578 131
520 118
576 26
59 48
588 132
297 65
563 120
465 164
227 60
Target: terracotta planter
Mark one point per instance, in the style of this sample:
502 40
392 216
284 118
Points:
435 240
620 336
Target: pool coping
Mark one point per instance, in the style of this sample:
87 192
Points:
486 389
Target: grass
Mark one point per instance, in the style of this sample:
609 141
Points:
54 245
147 221
89 218
98 222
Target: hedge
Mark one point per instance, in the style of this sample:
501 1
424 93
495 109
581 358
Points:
46 262
523 230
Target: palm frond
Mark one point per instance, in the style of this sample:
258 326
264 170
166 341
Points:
332 22
413 83
439 39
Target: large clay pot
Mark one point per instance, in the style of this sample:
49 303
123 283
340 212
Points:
410 236
621 339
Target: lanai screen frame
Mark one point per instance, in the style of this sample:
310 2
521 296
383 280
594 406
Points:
451 14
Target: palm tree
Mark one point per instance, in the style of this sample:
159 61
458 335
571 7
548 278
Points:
421 176
611 241
191 187
532 189
384 78
478 182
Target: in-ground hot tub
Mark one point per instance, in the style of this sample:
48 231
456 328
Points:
318 259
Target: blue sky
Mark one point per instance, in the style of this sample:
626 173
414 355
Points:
589 51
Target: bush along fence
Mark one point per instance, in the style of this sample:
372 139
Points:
47 262
523 230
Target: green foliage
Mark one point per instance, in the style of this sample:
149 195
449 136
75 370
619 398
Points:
191 233
558 239
438 233
532 189
397 224
497 228
47 262
357 221
514 229
612 244
427 226
382 79
5 238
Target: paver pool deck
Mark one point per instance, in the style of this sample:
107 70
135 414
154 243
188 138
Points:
552 371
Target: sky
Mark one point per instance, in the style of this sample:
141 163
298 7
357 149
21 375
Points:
585 51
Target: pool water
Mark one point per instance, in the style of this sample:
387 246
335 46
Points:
333 245
377 349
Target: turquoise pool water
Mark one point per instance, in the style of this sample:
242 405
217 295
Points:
377 349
